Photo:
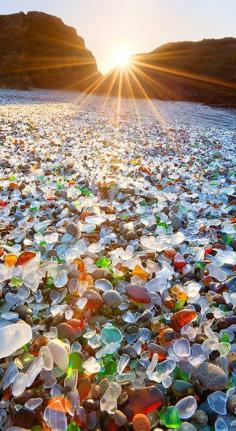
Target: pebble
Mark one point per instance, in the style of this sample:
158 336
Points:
25 419
65 331
211 376
23 311
121 265
72 229
119 418
200 417
176 222
231 404
112 298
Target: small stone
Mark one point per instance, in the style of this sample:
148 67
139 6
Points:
231 404
122 399
131 235
222 363
211 376
91 420
112 298
90 404
130 350
186 426
21 399
100 273
181 388
176 222
72 229
200 417
25 419
66 332
119 418
232 359
59 318
95 390
23 311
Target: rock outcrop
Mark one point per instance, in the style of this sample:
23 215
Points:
202 71
38 50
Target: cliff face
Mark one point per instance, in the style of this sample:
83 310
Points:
193 71
39 50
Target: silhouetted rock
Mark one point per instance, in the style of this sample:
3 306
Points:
202 71
39 50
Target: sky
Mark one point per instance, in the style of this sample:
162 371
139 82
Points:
114 29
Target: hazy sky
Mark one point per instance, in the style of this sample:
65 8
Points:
134 26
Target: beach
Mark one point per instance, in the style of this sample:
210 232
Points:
117 263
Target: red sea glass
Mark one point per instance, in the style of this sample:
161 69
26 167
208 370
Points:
143 400
179 262
25 257
182 318
138 294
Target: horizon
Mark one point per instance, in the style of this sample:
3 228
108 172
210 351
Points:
113 44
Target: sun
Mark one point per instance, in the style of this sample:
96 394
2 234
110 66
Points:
122 58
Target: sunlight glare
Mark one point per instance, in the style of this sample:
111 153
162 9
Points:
122 58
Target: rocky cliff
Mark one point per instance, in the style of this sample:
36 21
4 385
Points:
202 71
39 50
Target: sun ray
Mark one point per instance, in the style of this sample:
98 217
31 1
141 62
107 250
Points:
114 78
187 75
46 66
135 105
119 97
163 92
90 90
90 76
147 98
76 45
